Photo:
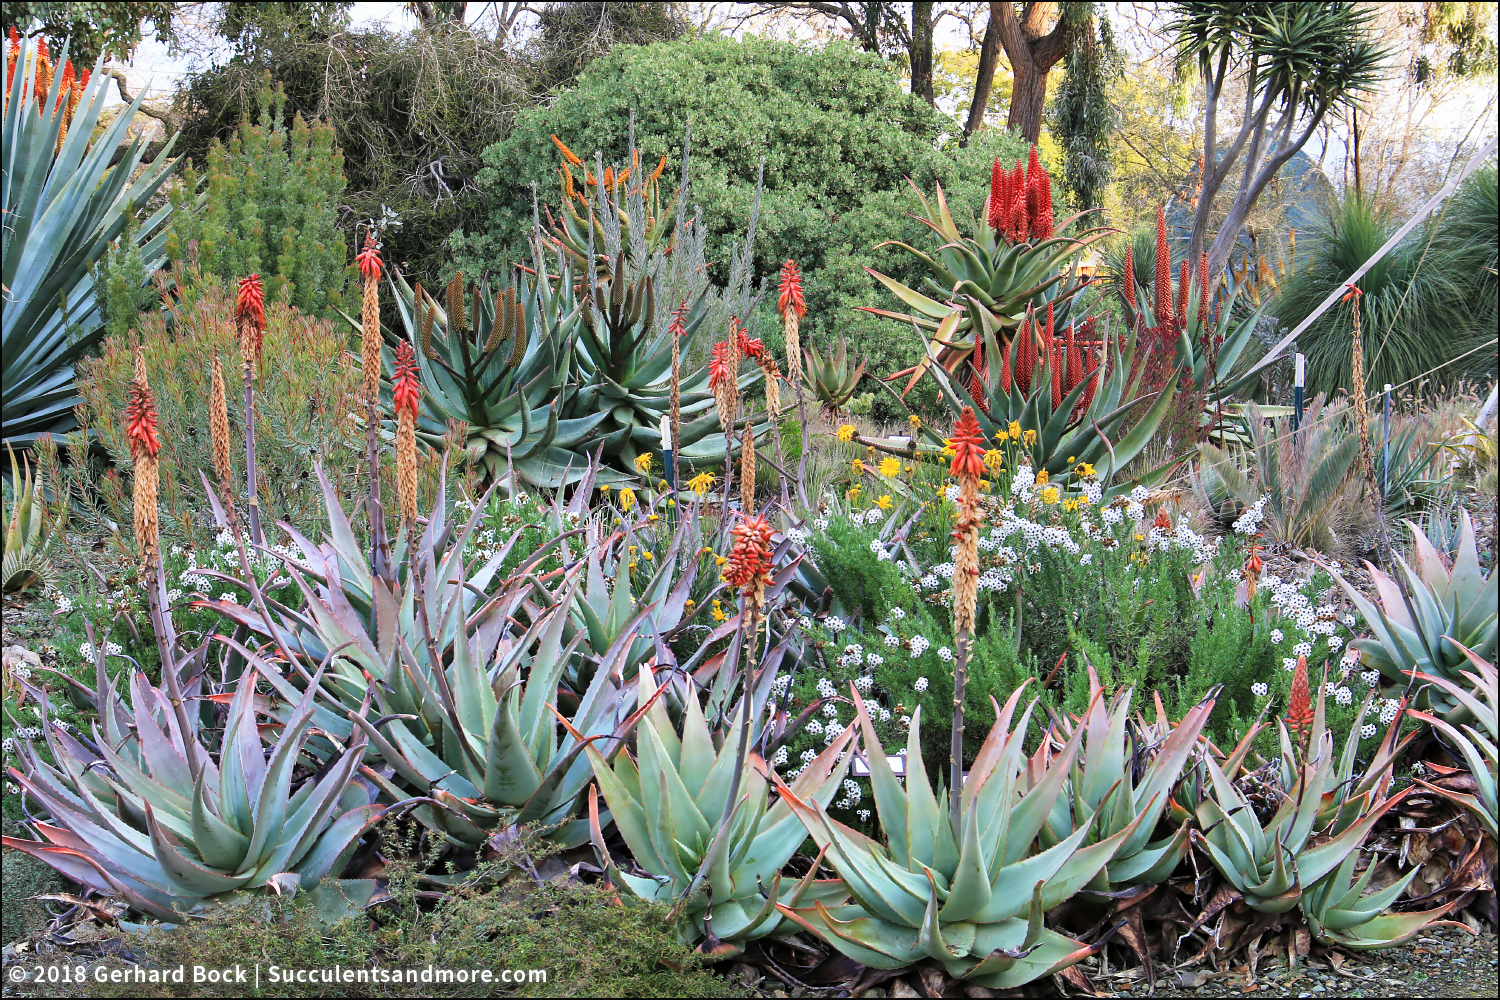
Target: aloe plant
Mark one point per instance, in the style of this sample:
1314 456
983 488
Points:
1449 612
497 361
28 536
970 899
1340 912
1112 789
145 810
830 376
1478 697
64 205
670 803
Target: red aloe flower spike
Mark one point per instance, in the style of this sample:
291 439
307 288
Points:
1020 220
1299 710
1054 357
791 291
720 370
1163 270
1075 362
1130 278
1092 375
1203 294
750 557
140 421
997 193
1026 358
968 446
676 329
368 259
1033 191
1184 281
1041 219
1005 381
250 302
407 395
753 349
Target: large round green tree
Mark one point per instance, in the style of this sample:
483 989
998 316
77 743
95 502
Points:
840 139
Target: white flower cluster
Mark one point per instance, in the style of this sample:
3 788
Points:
919 644
853 655
1389 709
945 654
28 732
826 688
780 757
1367 730
892 640
920 685
1249 522
834 623
779 685
797 535
852 795
898 613
863 683
1259 689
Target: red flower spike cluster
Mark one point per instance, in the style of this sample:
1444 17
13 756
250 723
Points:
1163 270
250 303
755 349
676 329
140 422
1065 356
750 557
968 446
1020 206
407 396
1130 278
368 259
791 291
1299 710
720 366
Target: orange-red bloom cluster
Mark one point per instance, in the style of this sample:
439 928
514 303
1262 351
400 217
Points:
1065 355
720 365
250 303
140 421
968 446
1163 270
791 291
1020 206
750 557
1299 710
407 395
368 259
755 349
677 329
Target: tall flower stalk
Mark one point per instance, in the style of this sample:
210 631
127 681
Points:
968 446
747 471
677 331
250 325
756 351
218 428
790 304
1357 388
723 381
406 400
369 263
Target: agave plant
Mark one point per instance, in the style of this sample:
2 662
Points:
1109 792
28 537
718 862
146 811
497 365
624 371
1478 749
64 204
830 376
970 899
1449 612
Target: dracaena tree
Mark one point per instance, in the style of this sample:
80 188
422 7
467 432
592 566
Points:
1297 63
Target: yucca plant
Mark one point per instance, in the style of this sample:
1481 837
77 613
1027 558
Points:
670 803
496 362
970 899
64 205
28 536
1479 698
830 377
1448 612
1301 473
151 813
1113 787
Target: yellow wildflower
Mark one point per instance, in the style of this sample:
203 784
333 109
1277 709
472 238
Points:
890 466
984 484
857 467
845 433
883 501
720 560
1085 469
631 566
689 603
655 517
603 487
948 451
1050 495
701 483
853 493
627 498
914 420
649 556
1070 505
718 612
632 550
1029 436
1002 435
1041 478
994 460
643 463
1014 429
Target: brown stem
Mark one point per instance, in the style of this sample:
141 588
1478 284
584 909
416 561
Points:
252 500
956 748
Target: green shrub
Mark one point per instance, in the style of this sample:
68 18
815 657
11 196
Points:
840 139
270 207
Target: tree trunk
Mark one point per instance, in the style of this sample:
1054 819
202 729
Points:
984 78
1032 53
1026 100
920 52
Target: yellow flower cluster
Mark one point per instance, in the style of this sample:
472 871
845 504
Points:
701 483
643 463
845 433
890 466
